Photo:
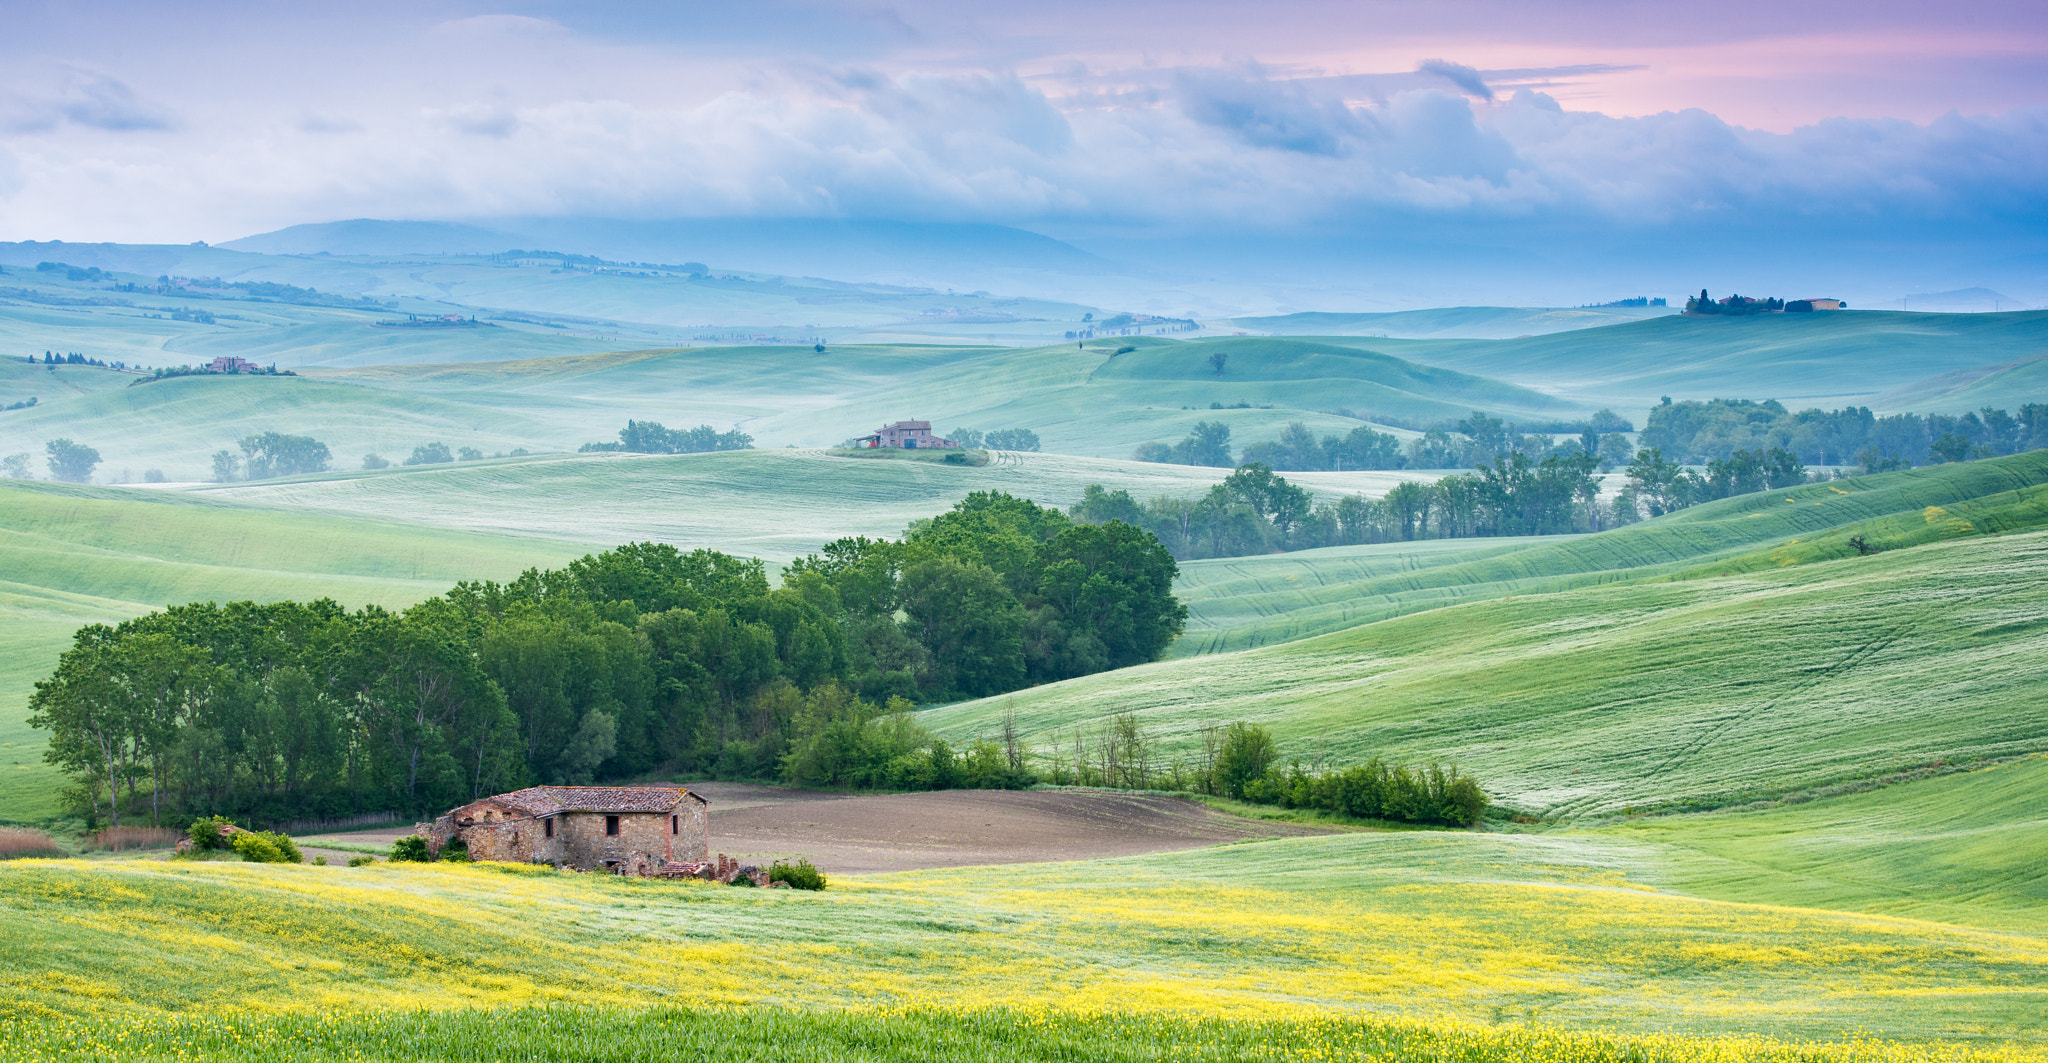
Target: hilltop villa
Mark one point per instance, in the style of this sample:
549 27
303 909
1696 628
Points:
627 830
910 435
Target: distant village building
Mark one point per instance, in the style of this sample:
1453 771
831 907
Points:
230 364
1825 304
910 435
626 830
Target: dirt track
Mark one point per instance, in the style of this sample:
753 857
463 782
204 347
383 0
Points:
859 834
866 834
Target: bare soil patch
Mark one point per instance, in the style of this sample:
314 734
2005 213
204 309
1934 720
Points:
851 834
863 834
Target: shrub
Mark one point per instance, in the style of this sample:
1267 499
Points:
17 844
799 876
361 861
410 849
205 832
743 880
456 851
257 848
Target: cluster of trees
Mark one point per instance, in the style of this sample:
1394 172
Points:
68 461
23 405
1241 761
1472 442
650 437
1658 485
999 439
169 371
436 453
270 454
1738 305
1696 432
636 661
1255 511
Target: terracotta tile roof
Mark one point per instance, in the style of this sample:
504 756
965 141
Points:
548 800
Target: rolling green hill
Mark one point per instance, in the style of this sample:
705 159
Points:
1238 603
1700 675
1821 359
1080 400
1462 322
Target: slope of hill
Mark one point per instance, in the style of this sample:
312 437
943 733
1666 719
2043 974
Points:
1456 322
1800 359
1080 399
1238 603
774 504
1772 670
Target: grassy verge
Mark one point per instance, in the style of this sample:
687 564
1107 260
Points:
1312 816
996 1035
975 458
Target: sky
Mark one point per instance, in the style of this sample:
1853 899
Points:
1916 126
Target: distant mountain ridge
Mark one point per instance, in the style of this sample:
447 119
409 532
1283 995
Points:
926 253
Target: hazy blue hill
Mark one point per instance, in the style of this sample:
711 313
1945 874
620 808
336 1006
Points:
931 252
1459 322
1818 358
370 236
2001 386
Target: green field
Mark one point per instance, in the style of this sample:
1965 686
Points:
1433 928
1821 359
1746 653
1086 401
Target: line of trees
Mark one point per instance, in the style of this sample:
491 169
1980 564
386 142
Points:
651 437
635 662
1256 511
1472 442
1242 761
1694 432
998 439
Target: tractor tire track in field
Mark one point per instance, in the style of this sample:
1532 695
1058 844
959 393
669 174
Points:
1570 810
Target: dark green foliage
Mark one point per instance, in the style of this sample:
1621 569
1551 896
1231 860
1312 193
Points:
411 849
639 660
799 876
1433 794
1255 511
1244 757
205 833
1736 305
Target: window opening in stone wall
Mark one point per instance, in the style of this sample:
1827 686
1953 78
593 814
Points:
675 824
548 827
611 826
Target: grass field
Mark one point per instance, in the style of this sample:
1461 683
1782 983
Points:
1436 927
1690 682
1240 603
774 504
1821 359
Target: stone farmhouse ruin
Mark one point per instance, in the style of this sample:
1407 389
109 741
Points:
624 830
909 435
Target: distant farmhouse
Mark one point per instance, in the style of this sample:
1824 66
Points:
625 830
230 364
910 435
